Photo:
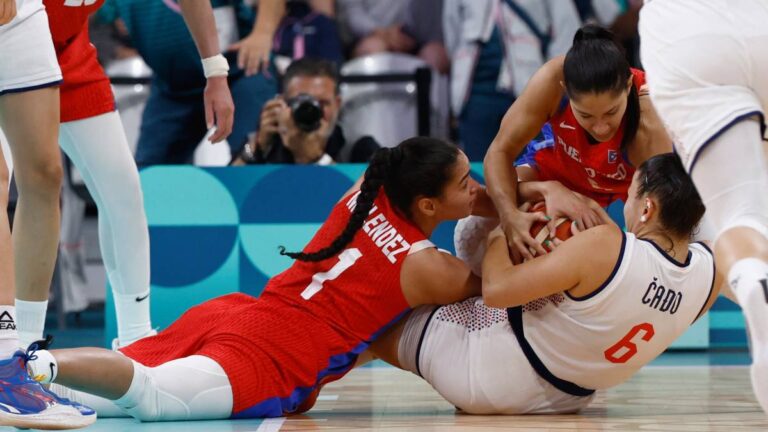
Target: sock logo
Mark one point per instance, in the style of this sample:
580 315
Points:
6 322
140 299
764 283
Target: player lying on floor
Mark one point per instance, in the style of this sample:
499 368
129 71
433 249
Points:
549 332
238 356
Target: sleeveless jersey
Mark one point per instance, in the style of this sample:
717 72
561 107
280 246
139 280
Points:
310 323
85 91
598 170
602 339
24 10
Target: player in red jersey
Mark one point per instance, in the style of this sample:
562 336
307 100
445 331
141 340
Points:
92 135
601 130
238 357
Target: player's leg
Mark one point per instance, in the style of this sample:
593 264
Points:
732 177
9 337
99 149
189 388
30 120
710 102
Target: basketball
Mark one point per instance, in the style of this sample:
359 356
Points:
540 230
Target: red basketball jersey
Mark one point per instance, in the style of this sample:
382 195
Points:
310 323
598 170
85 90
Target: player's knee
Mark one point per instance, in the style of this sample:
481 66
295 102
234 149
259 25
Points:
44 179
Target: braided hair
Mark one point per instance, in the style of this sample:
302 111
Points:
417 167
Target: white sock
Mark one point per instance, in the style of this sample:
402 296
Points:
132 317
749 280
31 320
9 336
104 407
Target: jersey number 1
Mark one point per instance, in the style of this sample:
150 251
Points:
346 259
627 344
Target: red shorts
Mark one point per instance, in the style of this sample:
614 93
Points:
272 354
85 91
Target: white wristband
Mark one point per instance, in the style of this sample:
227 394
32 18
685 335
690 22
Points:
215 66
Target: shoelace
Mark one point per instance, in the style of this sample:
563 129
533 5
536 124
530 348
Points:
29 355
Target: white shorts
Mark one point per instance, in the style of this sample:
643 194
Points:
706 63
470 355
27 57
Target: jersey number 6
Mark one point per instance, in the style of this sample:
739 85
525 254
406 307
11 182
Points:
626 343
346 259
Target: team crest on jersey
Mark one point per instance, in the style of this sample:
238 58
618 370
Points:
613 156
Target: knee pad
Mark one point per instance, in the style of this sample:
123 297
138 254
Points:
141 400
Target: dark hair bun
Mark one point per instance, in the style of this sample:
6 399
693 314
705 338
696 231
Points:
592 32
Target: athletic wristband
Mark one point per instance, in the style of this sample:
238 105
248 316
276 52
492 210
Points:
215 66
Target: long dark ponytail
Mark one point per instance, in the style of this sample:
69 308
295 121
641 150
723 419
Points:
596 64
419 166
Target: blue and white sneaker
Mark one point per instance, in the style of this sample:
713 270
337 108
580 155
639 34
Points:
24 403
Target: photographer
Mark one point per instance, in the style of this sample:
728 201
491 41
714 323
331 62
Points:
300 126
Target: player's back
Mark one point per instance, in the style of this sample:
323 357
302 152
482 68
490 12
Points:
600 340
356 293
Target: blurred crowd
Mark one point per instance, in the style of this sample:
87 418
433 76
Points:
481 54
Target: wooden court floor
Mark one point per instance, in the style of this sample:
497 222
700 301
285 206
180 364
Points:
663 399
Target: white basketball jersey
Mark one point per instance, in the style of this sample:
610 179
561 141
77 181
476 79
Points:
25 9
602 339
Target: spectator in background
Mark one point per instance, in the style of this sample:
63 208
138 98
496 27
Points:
495 47
309 30
174 121
300 126
403 26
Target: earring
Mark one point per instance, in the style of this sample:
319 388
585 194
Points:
643 218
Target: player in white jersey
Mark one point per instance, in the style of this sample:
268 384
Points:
29 116
707 70
584 317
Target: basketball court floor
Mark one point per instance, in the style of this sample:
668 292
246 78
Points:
663 397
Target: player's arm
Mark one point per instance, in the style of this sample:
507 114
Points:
653 138
253 50
520 125
219 108
433 277
573 266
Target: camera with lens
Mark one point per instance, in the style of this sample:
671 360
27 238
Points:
306 112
